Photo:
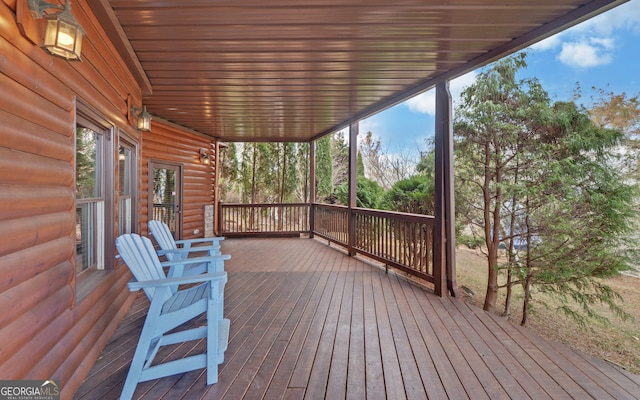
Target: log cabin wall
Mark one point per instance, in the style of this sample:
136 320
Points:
48 331
175 145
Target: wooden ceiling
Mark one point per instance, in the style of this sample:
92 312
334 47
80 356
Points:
292 70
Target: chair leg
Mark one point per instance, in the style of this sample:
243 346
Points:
142 352
212 335
135 370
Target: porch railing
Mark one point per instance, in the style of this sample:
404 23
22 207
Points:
332 223
164 212
401 240
263 219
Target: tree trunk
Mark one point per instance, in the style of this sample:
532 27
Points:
507 301
253 187
492 229
282 185
511 262
491 297
527 283
527 298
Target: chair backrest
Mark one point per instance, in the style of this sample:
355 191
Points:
163 236
141 258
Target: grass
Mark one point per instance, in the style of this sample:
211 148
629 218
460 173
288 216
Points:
617 342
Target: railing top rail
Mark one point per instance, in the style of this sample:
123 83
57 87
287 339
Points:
247 205
383 213
395 214
330 205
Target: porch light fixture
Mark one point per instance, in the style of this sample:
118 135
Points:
63 34
204 156
144 118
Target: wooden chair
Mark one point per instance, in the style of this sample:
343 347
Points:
180 249
170 309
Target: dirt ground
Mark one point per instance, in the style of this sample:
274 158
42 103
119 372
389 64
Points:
617 342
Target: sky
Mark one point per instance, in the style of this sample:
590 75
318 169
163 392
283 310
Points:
603 52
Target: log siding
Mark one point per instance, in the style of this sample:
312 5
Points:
171 144
49 329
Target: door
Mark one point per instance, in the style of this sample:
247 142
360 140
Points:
166 195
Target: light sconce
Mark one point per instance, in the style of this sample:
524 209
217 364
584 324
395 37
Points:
204 156
63 34
144 118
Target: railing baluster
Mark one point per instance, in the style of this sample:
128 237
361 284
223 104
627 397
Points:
247 219
398 239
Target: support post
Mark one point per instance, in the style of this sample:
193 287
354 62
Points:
312 187
444 269
353 177
216 186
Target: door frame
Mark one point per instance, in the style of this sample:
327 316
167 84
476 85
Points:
178 167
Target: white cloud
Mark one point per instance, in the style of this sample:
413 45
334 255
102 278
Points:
607 43
461 83
425 103
592 42
584 55
366 125
625 16
549 43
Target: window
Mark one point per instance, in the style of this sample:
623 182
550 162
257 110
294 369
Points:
126 187
94 180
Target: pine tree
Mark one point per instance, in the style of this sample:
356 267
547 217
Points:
538 180
228 170
324 168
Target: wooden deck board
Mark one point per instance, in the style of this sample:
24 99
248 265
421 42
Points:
394 386
413 385
356 380
307 321
374 374
434 333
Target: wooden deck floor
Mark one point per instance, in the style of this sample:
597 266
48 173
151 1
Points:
308 322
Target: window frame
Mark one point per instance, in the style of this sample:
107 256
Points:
88 278
126 142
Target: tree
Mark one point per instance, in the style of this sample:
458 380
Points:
86 154
324 168
302 159
382 167
269 172
368 193
578 213
359 166
340 156
228 170
257 173
493 113
287 172
539 181
617 111
414 195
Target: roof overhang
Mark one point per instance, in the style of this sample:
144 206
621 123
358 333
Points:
294 70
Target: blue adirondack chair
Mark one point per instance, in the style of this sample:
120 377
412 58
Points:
180 249
170 309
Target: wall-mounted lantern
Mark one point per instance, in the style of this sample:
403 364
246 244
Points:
144 118
63 34
204 156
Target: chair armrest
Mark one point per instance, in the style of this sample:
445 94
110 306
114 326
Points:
167 282
200 240
196 260
187 250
